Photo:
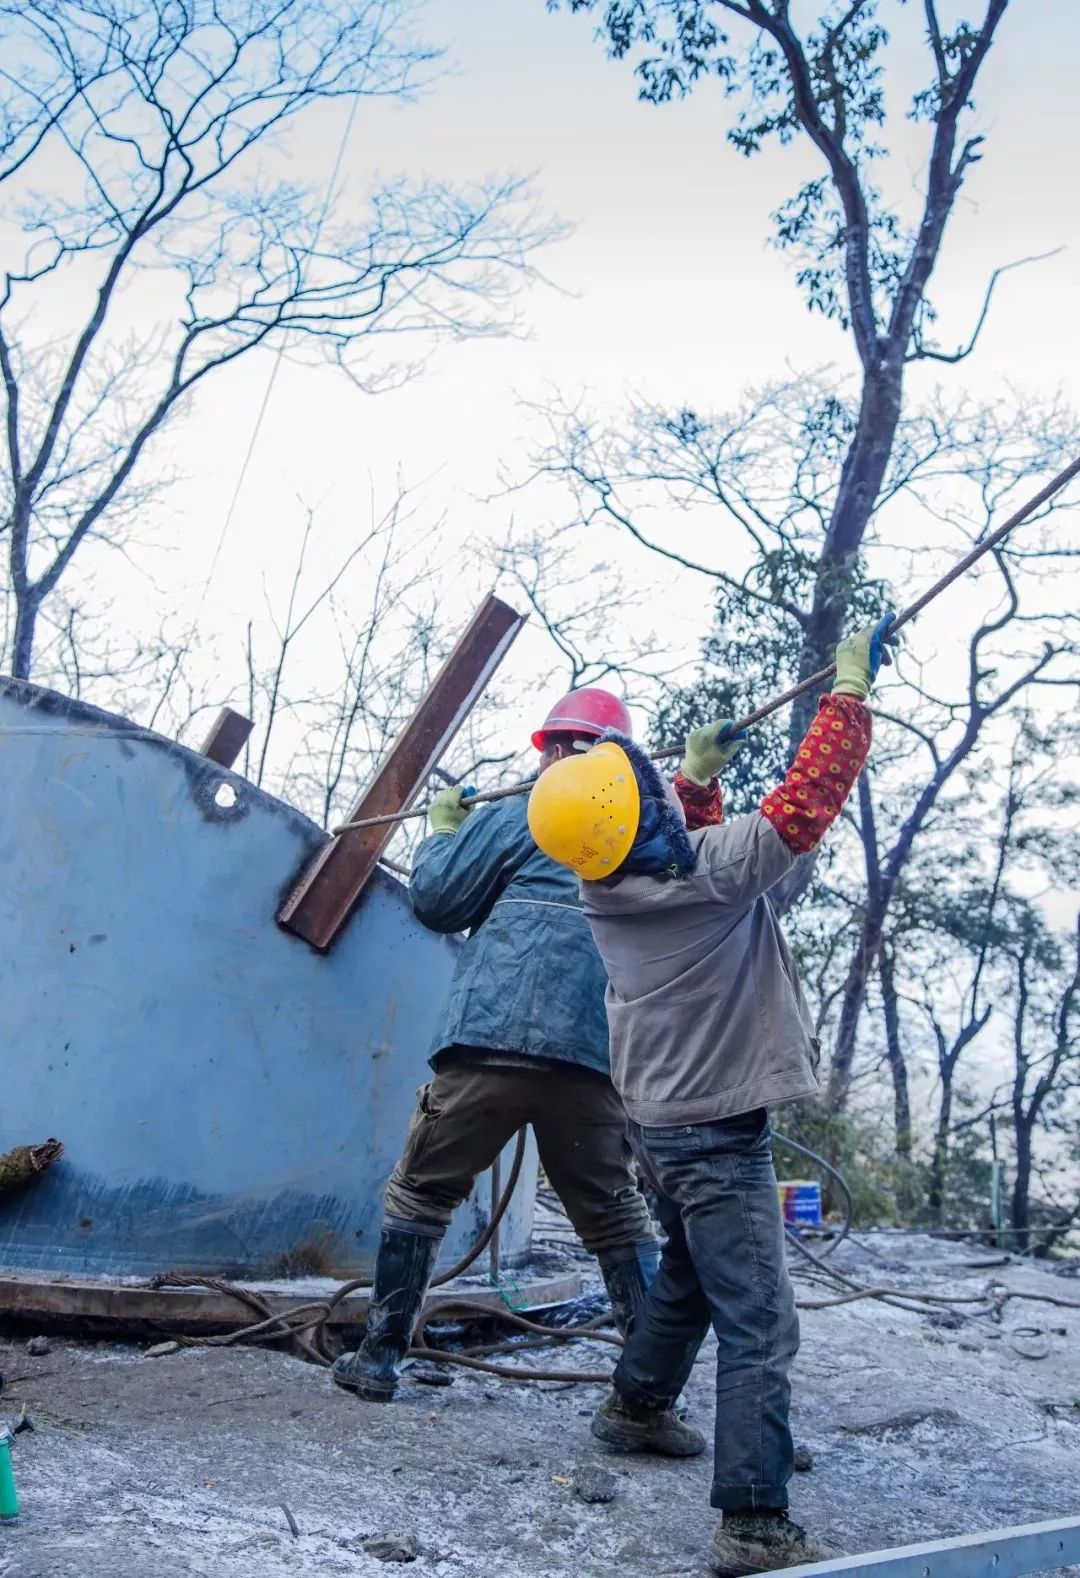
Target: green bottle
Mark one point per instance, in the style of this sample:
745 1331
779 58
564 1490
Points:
9 1499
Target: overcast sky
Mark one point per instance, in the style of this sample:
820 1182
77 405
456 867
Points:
666 285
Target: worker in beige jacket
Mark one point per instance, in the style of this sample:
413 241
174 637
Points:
709 1026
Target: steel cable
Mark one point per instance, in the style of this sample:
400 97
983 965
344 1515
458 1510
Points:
814 680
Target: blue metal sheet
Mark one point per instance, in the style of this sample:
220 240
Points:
998 1553
230 1101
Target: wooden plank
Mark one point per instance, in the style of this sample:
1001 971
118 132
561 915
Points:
72 1303
323 898
227 738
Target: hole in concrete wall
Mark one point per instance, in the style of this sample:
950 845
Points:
225 796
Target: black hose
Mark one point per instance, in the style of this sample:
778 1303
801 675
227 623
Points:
496 1217
838 1178
308 1332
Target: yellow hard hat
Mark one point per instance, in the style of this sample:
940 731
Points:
584 811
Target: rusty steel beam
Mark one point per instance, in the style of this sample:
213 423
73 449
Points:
320 903
227 738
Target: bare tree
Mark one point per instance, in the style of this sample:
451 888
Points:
336 663
885 870
1035 976
861 262
743 499
130 143
593 619
949 934
960 908
996 680
973 1018
331 666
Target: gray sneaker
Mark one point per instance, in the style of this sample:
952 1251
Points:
627 1427
752 1542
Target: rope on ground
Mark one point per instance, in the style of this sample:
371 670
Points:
507 1372
995 1295
978 1234
304 1326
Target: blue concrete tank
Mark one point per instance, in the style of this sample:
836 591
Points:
230 1101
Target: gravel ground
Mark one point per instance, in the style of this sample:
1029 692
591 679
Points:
178 1467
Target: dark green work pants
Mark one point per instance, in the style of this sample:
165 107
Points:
470 1112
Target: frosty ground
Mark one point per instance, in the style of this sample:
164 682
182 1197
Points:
165 1468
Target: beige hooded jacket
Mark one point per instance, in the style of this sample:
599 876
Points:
706 1013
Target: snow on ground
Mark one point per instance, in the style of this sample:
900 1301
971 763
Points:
177 1467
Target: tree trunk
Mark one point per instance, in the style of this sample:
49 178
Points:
23 643
935 1198
860 485
861 479
1020 1213
895 1054
852 999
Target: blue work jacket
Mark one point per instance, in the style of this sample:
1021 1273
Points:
529 978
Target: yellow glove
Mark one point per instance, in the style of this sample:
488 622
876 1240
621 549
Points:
447 812
859 657
709 750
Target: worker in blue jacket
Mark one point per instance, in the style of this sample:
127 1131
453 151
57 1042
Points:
523 1039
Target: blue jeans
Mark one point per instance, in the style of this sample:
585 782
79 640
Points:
723 1264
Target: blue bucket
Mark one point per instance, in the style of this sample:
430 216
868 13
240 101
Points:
801 1202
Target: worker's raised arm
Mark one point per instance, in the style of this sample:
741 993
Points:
831 756
460 870
743 859
697 784
819 780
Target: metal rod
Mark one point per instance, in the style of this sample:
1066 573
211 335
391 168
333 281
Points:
496 1191
1004 1553
959 568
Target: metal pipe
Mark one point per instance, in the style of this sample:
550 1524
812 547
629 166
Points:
496 1216
1005 1553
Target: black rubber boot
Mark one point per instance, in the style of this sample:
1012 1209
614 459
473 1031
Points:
756 1542
627 1274
407 1255
628 1427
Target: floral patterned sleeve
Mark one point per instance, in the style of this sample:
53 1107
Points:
822 775
702 803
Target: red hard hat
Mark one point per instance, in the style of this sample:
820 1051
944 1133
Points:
588 711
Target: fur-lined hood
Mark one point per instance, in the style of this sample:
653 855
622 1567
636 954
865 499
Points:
662 847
